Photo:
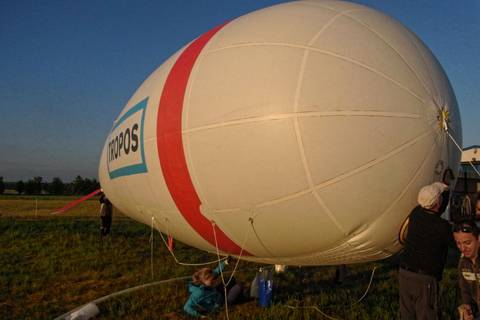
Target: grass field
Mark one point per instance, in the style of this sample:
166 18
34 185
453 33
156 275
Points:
51 264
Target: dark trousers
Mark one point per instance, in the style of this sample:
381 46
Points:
418 296
106 223
234 291
234 294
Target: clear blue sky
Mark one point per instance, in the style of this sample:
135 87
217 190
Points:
68 67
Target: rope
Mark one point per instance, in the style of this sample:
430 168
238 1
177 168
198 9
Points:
225 284
184 263
108 297
245 237
125 291
151 248
221 271
466 205
461 150
368 287
258 238
356 302
314 308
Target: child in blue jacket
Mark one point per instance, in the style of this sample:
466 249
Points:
205 297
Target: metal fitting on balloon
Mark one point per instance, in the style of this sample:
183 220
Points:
444 119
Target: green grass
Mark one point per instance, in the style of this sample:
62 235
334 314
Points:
51 265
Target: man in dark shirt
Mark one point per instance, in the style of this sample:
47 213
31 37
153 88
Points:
425 253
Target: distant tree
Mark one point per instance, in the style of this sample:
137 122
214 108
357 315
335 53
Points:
95 185
57 186
80 186
37 182
77 185
30 187
34 186
2 186
89 185
20 187
68 188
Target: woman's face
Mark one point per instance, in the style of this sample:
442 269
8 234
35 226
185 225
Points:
467 243
209 281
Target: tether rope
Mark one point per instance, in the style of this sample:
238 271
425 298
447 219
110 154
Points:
225 284
184 263
356 302
108 297
368 287
258 238
461 150
151 248
466 205
314 308
458 146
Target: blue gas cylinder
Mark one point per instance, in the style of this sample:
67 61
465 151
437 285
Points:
265 288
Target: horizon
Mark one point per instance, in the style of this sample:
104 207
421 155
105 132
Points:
48 180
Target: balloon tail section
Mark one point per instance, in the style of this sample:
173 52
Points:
75 203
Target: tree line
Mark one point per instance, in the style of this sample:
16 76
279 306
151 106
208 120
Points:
36 185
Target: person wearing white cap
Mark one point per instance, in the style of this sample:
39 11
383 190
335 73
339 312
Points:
423 259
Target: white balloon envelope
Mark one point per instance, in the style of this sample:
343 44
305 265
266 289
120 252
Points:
299 134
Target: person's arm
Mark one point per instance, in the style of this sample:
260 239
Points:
190 306
219 268
466 312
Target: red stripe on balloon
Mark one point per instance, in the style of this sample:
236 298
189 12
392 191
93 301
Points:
170 146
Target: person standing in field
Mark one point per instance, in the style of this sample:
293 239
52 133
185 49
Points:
467 241
106 210
425 254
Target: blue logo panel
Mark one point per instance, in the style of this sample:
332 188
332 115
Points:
125 150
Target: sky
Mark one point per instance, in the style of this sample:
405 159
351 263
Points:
67 68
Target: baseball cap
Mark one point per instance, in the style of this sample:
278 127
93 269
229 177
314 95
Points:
429 195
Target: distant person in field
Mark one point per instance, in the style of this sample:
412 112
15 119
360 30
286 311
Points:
467 241
106 210
424 257
207 295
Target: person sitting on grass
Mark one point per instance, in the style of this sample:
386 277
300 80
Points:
207 295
